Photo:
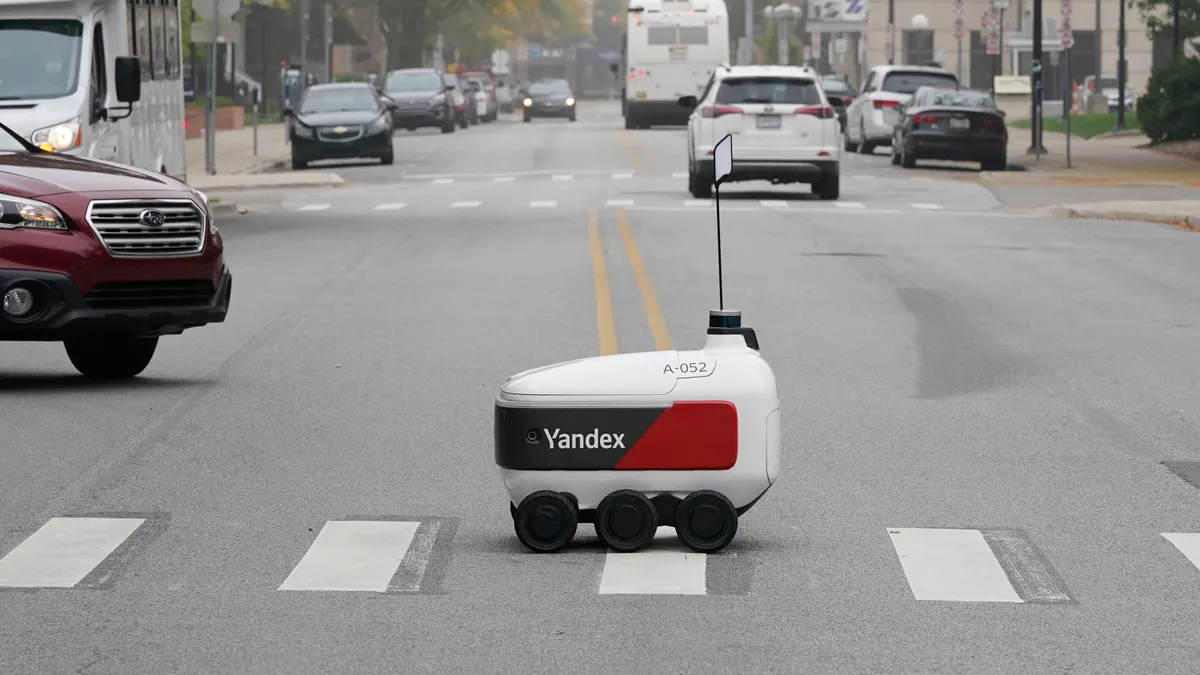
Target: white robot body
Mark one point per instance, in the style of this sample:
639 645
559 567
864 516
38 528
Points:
625 441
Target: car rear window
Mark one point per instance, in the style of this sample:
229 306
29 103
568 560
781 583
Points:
962 99
773 90
908 83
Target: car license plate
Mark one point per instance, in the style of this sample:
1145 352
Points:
960 124
768 121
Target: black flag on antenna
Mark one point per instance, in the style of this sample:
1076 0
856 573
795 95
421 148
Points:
723 166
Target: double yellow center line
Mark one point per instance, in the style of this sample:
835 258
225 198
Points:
636 150
604 311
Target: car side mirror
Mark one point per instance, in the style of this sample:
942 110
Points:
289 112
688 102
128 78
1002 113
837 102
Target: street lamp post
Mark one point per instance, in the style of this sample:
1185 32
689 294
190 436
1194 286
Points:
785 15
1120 69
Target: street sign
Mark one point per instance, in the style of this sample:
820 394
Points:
960 9
993 43
1068 35
1001 4
959 28
992 21
225 9
1066 7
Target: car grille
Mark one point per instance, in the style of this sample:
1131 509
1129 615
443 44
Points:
120 227
345 133
150 294
413 105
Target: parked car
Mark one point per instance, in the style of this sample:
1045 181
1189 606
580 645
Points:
422 97
458 100
347 120
549 98
103 257
840 94
871 118
786 130
488 87
958 125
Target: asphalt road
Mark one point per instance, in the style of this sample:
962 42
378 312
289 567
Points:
1015 383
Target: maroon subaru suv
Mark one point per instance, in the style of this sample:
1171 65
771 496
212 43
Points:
103 257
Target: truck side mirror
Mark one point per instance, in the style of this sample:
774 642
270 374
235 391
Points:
128 77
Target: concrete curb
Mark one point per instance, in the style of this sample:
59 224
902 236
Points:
1191 223
245 182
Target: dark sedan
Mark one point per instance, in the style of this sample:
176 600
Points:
340 121
549 98
958 125
840 94
424 98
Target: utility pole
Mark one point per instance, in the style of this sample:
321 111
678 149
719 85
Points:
1097 43
328 41
1120 69
1036 127
303 44
749 55
891 32
1176 50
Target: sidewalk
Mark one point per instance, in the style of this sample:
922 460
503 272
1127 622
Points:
1184 214
239 168
1113 160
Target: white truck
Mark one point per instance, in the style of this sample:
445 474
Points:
670 50
57 70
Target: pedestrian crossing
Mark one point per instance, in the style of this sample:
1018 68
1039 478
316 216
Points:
410 555
526 177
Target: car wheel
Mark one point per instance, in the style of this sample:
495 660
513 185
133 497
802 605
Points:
907 160
830 187
864 147
998 164
896 151
847 144
389 158
298 164
528 118
571 118
111 358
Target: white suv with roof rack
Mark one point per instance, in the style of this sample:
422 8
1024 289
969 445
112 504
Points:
784 129
871 119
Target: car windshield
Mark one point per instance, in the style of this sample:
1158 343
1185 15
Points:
39 58
8 143
788 91
549 87
961 99
413 82
337 100
908 83
1108 83
837 86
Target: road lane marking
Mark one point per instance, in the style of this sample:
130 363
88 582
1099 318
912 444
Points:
314 207
951 565
605 325
1188 544
773 203
622 176
927 207
659 569
648 156
503 179
850 205
679 174
620 202
442 181
623 139
390 207
654 315
543 204
63 551
562 176
353 555
465 205
697 202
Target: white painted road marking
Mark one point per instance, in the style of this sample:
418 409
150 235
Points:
679 174
563 176
314 207
64 551
622 176
465 205
442 181
620 202
927 207
503 179
697 202
773 203
664 567
951 565
1188 544
850 205
543 205
353 555
389 207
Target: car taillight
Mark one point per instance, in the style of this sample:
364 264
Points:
718 110
992 123
825 112
879 105
926 119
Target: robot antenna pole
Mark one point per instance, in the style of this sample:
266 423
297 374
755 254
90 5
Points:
720 275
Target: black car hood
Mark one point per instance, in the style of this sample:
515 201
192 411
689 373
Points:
412 96
339 118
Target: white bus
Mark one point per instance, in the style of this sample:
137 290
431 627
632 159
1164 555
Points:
670 49
56 79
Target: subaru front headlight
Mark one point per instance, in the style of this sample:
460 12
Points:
29 213
58 137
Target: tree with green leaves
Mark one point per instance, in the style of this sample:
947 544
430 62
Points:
1159 16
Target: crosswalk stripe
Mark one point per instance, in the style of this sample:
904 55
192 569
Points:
314 207
622 176
951 565
503 179
442 181
679 174
63 551
850 205
543 204
563 176
927 207
465 205
390 207
353 555
697 202
1188 544
620 202
773 203
663 568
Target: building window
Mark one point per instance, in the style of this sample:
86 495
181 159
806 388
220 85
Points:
918 47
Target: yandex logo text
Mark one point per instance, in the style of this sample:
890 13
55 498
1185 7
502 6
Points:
591 440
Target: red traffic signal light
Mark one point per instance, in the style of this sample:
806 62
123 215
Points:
614 19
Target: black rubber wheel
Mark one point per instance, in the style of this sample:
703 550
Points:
389 158
298 164
706 521
626 520
545 521
111 358
528 118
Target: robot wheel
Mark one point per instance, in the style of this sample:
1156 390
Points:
706 521
545 521
626 520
